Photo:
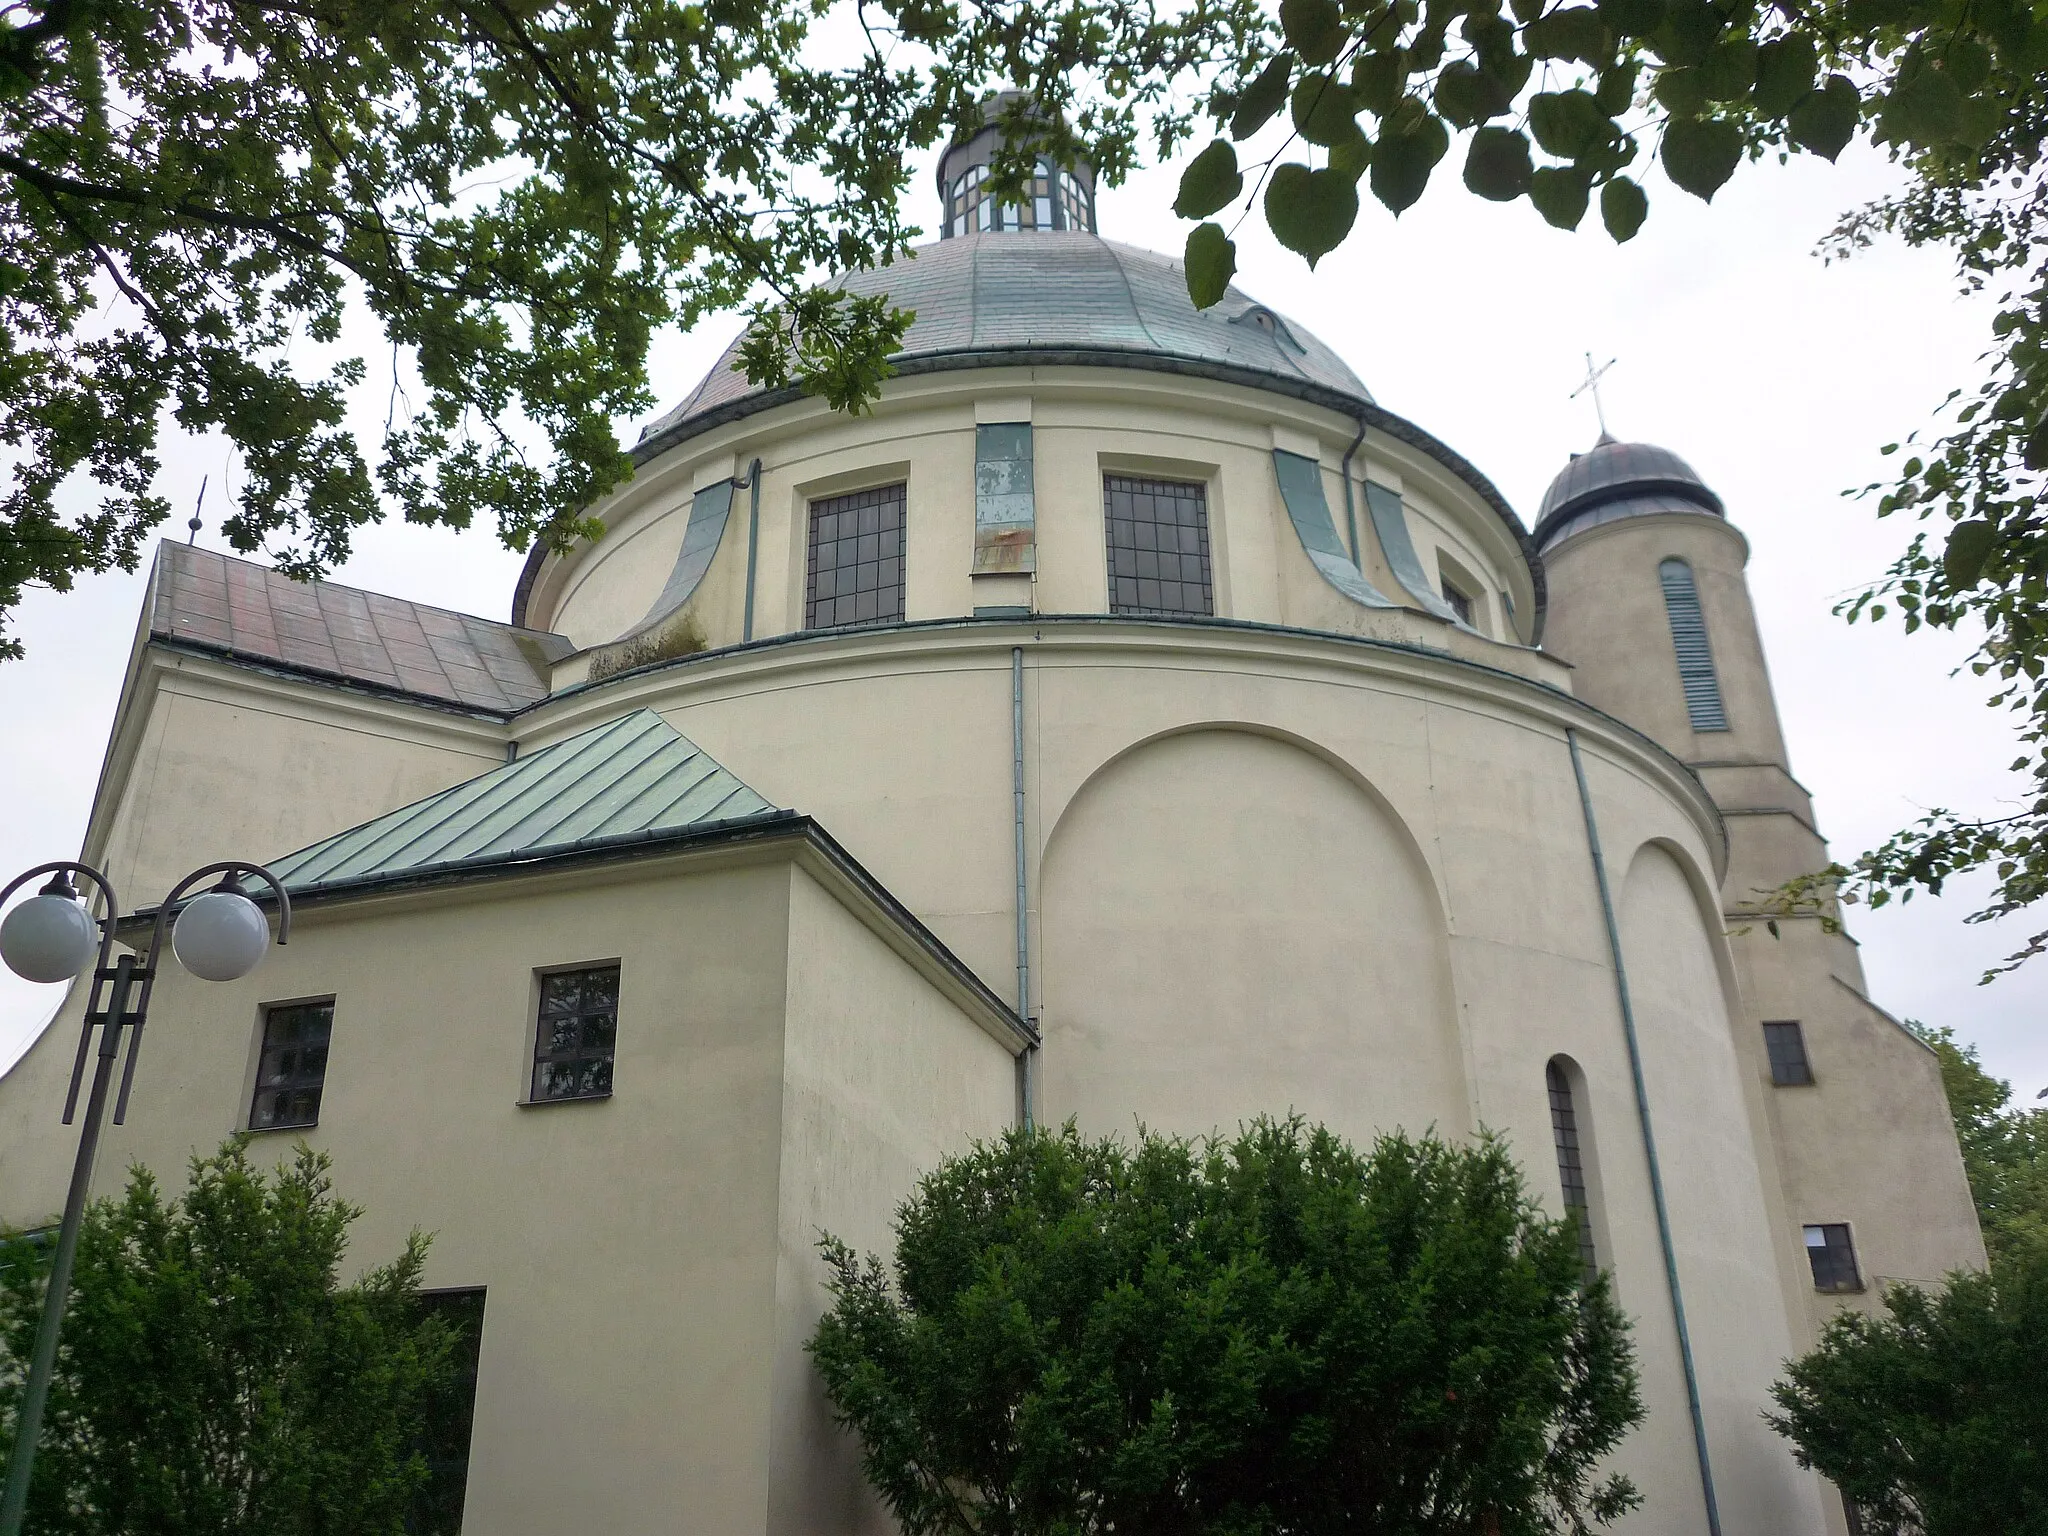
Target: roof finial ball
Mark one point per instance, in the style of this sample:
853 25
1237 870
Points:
1057 197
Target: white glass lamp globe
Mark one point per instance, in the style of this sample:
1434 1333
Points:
47 938
221 936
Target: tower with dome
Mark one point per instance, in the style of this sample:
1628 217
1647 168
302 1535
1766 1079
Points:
1128 721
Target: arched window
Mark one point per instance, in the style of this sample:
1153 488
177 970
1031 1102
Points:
1695 656
1054 199
1571 1163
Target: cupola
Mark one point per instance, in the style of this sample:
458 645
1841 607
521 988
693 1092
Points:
1617 480
1060 198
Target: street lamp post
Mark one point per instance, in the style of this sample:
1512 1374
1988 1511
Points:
219 935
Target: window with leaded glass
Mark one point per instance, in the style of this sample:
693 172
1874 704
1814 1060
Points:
855 564
578 1030
1786 1045
1158 533
1833 1257
1571 1163
293 1067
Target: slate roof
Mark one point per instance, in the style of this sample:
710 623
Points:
631 778
218 603
1620 480
1061 290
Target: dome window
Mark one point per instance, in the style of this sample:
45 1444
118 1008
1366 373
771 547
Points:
1261 318
1056 200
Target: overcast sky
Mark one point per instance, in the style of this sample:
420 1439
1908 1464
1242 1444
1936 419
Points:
1776 377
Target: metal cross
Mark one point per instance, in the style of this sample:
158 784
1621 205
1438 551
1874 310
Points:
1592 382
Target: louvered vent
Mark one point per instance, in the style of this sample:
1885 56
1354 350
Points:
1695 656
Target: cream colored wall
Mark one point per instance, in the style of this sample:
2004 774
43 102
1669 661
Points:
1087 422
646 1256
882 1078
1274 870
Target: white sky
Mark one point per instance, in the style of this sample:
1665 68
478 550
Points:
1776 377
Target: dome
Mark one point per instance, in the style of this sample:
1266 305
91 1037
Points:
1617 480
1058 297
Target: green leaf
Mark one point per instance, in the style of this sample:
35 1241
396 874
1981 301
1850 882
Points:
1497 164
1568 124
1680 91
1350 156
1923 108
1402 161
1210 263
1313 28
1262 98
1310 212
1623 208
1211 180
1701 153
1729 69
1632 18
1378 78
1688 32
2034 455
1969 546
1785 71
1826 120
1616 92
1467 96
1323 109
1575 32
1560 193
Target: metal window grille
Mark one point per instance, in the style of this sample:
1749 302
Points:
1786 1045
856 560
1461 605
1695 655
1833 1257
293 1067
1158 534
448 1416
577 1034
1571 1167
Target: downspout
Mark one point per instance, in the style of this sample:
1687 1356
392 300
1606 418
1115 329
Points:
1350 512
1025 1086
1635 1066
753 541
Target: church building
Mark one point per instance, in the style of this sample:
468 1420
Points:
1129 720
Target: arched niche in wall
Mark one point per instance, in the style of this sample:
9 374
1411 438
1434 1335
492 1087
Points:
1235 925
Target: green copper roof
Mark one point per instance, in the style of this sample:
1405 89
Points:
631 778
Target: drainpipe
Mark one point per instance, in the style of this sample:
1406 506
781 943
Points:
1025 1085
753 540
1350 513
1635 1067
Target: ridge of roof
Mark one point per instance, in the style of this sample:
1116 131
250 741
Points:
237 608
635 776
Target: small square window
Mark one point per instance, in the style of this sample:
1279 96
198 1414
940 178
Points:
1461 604
1786 1045
576 1033
1833 1257
293 1067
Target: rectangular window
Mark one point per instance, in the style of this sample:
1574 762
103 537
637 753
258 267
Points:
1787 1048
856 560
577 1032
449 1415
1158 546
1461 605
293 1067
1833 1257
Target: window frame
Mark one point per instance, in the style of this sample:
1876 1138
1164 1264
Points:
1839 1286
1141 482
530 1094
256 1085
1561 1076
1773 1057
840 502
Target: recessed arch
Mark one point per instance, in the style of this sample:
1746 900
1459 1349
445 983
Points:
1297 961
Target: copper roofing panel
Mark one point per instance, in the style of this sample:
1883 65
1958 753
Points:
631 777
243 609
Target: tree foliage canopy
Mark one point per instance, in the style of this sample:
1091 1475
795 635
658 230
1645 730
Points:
2005 1150
216 1377
1273 1334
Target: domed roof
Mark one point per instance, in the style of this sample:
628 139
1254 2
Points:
1617 480
1053 297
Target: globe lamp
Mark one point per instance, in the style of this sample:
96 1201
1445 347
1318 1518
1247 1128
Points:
48 938
221 936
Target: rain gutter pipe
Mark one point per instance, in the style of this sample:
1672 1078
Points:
753 542
1635 1067
1350 512
1024 1083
